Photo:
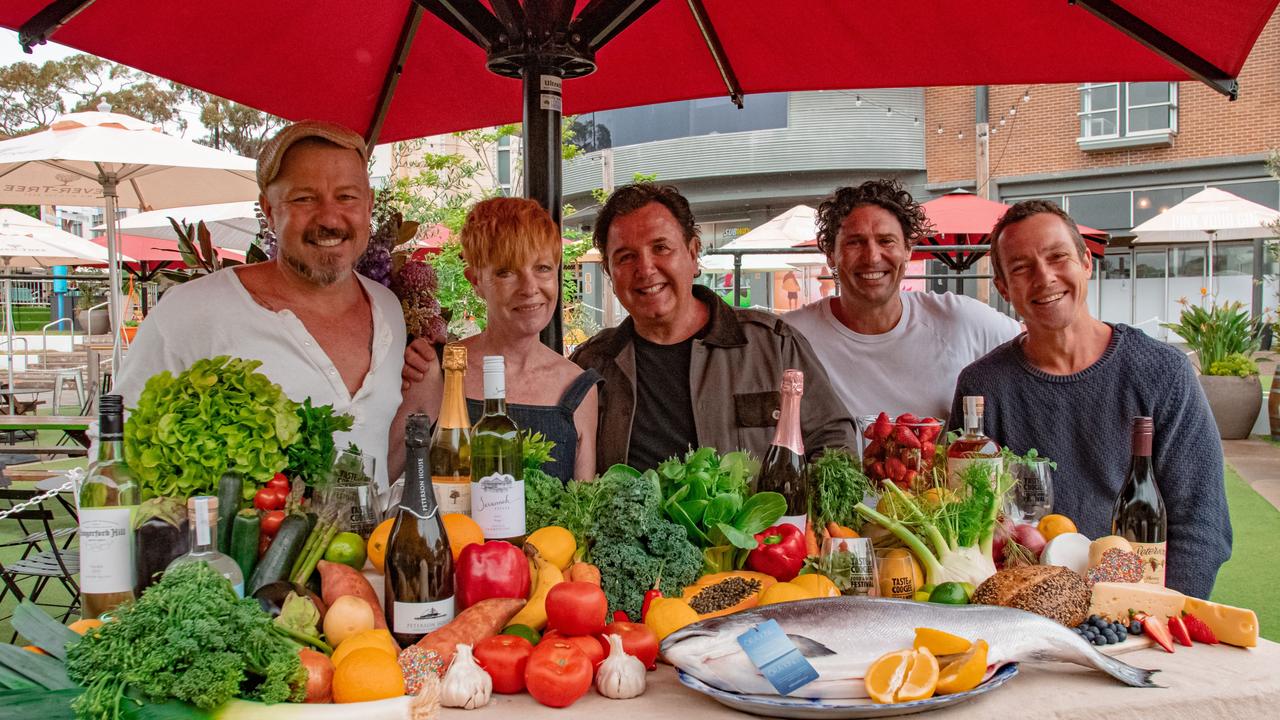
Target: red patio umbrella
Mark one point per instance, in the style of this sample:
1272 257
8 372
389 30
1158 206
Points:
155 254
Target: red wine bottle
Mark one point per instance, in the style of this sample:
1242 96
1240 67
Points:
785 469
1139 515
419 566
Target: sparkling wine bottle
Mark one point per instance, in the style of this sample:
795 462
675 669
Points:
451 443
785 470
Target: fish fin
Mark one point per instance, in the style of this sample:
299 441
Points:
809 647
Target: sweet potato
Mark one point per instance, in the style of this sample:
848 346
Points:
337 580
583 572
484 619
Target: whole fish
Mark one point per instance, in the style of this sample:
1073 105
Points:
842 636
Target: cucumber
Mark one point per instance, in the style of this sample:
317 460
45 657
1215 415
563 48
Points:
230 486
244 540
279 558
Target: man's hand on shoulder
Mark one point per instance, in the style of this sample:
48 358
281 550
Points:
420 361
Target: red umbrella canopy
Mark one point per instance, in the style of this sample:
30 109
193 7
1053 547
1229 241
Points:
154 251
328 59
961 218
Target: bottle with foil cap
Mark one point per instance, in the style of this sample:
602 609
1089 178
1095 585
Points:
1139 514
108 499
451 443
497 463
202 513
785 470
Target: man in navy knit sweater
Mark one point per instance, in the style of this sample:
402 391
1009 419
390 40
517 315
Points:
1071 385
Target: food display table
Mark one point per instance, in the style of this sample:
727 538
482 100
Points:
1201 683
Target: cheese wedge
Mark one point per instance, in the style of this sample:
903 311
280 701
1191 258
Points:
1114 600
1232 625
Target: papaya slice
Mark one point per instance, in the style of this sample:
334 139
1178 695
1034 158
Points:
723 593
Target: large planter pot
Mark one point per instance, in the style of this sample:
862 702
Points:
101 321
1273 404
1235 402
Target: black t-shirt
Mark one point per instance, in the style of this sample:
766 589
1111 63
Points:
663 424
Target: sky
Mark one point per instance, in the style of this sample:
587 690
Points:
11 51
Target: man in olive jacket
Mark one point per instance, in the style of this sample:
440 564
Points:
686 369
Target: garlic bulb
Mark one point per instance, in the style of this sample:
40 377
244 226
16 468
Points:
620 676
466 684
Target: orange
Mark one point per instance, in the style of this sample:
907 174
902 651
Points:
378 638
939 642
886 674
1051 526
922 678
817 585
367 674
377 549
785 592
462 531
83 626
965 672
34 649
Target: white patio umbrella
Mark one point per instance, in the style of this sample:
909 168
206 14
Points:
232 226
1208 216
791 229
27 242
108 159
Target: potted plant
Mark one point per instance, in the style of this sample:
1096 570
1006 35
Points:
1224 338
90 295
129 330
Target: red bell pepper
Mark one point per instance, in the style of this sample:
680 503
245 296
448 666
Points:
495 569
781 552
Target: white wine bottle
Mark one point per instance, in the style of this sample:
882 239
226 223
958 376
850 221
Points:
497 472
451 443
108 500
418 590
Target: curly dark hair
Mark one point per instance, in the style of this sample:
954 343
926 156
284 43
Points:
1023 210
887 194
630 198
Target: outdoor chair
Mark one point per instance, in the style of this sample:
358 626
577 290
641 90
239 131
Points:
44 553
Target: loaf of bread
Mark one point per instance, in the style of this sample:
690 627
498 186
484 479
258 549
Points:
1055 592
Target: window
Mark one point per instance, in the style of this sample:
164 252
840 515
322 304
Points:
1127 114
504 164
1105 211
685 118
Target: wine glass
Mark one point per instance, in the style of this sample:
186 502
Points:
851 565
1031 497
351 486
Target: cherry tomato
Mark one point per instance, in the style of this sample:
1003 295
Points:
269 498
576 608
279 482
593 646
637 640
271 523
558 673
504 657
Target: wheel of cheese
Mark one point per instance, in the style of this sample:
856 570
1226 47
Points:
1070 550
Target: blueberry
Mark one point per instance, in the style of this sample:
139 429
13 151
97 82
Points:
1110 637
1136 628
1119 628
1097 640
1094 619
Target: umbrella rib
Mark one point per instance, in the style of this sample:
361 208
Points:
389 83
1161 44
718 54
48 21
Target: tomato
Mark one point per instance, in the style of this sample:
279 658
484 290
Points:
269 498
558 673
279 482
638 640
271 523
576 608
593 646
504 657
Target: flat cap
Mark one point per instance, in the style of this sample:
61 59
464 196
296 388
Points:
273 152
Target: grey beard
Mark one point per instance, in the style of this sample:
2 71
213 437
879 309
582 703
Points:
321 276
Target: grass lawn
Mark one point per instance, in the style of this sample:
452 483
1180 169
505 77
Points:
1250 577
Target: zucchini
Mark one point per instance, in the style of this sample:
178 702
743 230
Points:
244 540
230 487
279 558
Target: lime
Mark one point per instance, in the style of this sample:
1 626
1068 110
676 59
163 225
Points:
346 548
523 631
949 593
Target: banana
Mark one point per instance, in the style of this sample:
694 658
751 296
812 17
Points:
534 612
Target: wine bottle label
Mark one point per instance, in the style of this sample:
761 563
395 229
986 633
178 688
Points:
1153 561
956 467
421 618
497 505
453 495
800 521
106 550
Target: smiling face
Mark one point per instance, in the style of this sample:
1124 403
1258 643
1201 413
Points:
652 266
319 207
870 257
520 300
1044 275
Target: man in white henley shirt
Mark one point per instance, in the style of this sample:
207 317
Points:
887 350
320 329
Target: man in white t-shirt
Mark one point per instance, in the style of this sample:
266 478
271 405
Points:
320 329
887 350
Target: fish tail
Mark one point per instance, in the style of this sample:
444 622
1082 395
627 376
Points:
1124 672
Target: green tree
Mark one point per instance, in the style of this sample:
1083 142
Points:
233 126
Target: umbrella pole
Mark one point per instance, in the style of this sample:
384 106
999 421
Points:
8 325
108 181
1212 233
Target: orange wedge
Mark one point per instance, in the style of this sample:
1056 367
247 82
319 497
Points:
886 674
964 673
939 642
922 678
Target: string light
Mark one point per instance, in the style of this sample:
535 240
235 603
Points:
916 122
1026 96
857 101
939 129
888 112
1013 111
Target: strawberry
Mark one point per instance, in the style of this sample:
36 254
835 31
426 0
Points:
874 449
1198 631
894 469
907 419
1156 629
882 428
908 479
905 437
1178 629
927 449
